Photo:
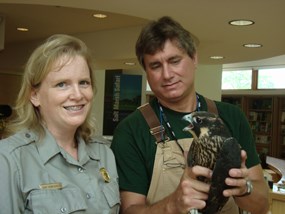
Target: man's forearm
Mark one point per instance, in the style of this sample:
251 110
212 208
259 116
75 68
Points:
257 201
165 206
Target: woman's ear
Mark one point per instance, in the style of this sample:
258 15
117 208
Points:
34 98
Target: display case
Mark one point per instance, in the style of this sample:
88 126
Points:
281 128
237 100
260 117
266 116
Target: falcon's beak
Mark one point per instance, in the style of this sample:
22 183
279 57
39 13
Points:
188 128
189 119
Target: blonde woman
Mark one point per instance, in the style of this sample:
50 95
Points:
50 161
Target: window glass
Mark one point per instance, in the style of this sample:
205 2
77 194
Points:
273 78
240 79
147 86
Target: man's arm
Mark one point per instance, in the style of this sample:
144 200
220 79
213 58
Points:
189 194
257 202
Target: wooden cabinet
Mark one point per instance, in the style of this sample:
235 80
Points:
276 202
235 99
238 100
281 128
259 111
266 116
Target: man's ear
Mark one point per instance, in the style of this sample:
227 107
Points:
34 98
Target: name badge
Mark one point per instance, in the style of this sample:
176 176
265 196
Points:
51 186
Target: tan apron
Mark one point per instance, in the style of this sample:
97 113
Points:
168 168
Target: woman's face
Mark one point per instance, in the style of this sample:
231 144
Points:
64 97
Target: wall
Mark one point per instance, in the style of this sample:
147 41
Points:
209 81
98 107
9 87
206 84
278 61
208 77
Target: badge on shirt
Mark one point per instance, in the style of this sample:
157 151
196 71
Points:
51 186
105 175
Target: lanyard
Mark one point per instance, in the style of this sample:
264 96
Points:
164 118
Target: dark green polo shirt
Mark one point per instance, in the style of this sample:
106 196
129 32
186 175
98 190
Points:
134 147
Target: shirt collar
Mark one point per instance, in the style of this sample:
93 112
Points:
90 149
86 152
48 148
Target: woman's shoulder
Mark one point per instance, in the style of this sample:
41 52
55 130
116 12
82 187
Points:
99 147
16 141
100 140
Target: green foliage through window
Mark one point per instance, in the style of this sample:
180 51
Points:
240 79
271 78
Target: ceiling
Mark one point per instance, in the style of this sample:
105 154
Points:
206 19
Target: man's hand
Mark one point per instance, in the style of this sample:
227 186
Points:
238 179
191 193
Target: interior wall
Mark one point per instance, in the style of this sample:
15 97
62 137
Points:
209 81
9 87
98 106
208 77
206 84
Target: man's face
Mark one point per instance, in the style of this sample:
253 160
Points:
170 72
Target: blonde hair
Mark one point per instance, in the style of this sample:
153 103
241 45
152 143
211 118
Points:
36 69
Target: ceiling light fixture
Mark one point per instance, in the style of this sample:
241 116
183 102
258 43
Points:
23 29
252 45
217 57
241 22
100 15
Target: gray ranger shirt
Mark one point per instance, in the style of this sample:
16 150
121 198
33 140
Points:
40 177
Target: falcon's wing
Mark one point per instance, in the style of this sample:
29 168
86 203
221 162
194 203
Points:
229 157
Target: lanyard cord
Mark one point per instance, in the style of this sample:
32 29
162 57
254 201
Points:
164 118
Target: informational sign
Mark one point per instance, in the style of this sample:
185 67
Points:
122 97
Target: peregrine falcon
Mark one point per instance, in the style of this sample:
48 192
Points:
212 147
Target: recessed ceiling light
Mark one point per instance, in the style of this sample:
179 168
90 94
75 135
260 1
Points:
252 45
23 29
217 57
241 22
100 15
130 63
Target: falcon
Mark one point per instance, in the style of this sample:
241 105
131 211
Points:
212 147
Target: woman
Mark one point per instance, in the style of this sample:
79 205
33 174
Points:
50 160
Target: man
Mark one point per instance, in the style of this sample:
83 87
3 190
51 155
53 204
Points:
153 176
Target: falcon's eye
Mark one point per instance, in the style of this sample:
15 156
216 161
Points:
198 120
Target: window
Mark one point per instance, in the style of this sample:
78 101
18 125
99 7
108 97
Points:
271 78
240 79
147 86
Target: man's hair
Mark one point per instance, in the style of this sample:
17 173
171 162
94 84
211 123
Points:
41 62
154 35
